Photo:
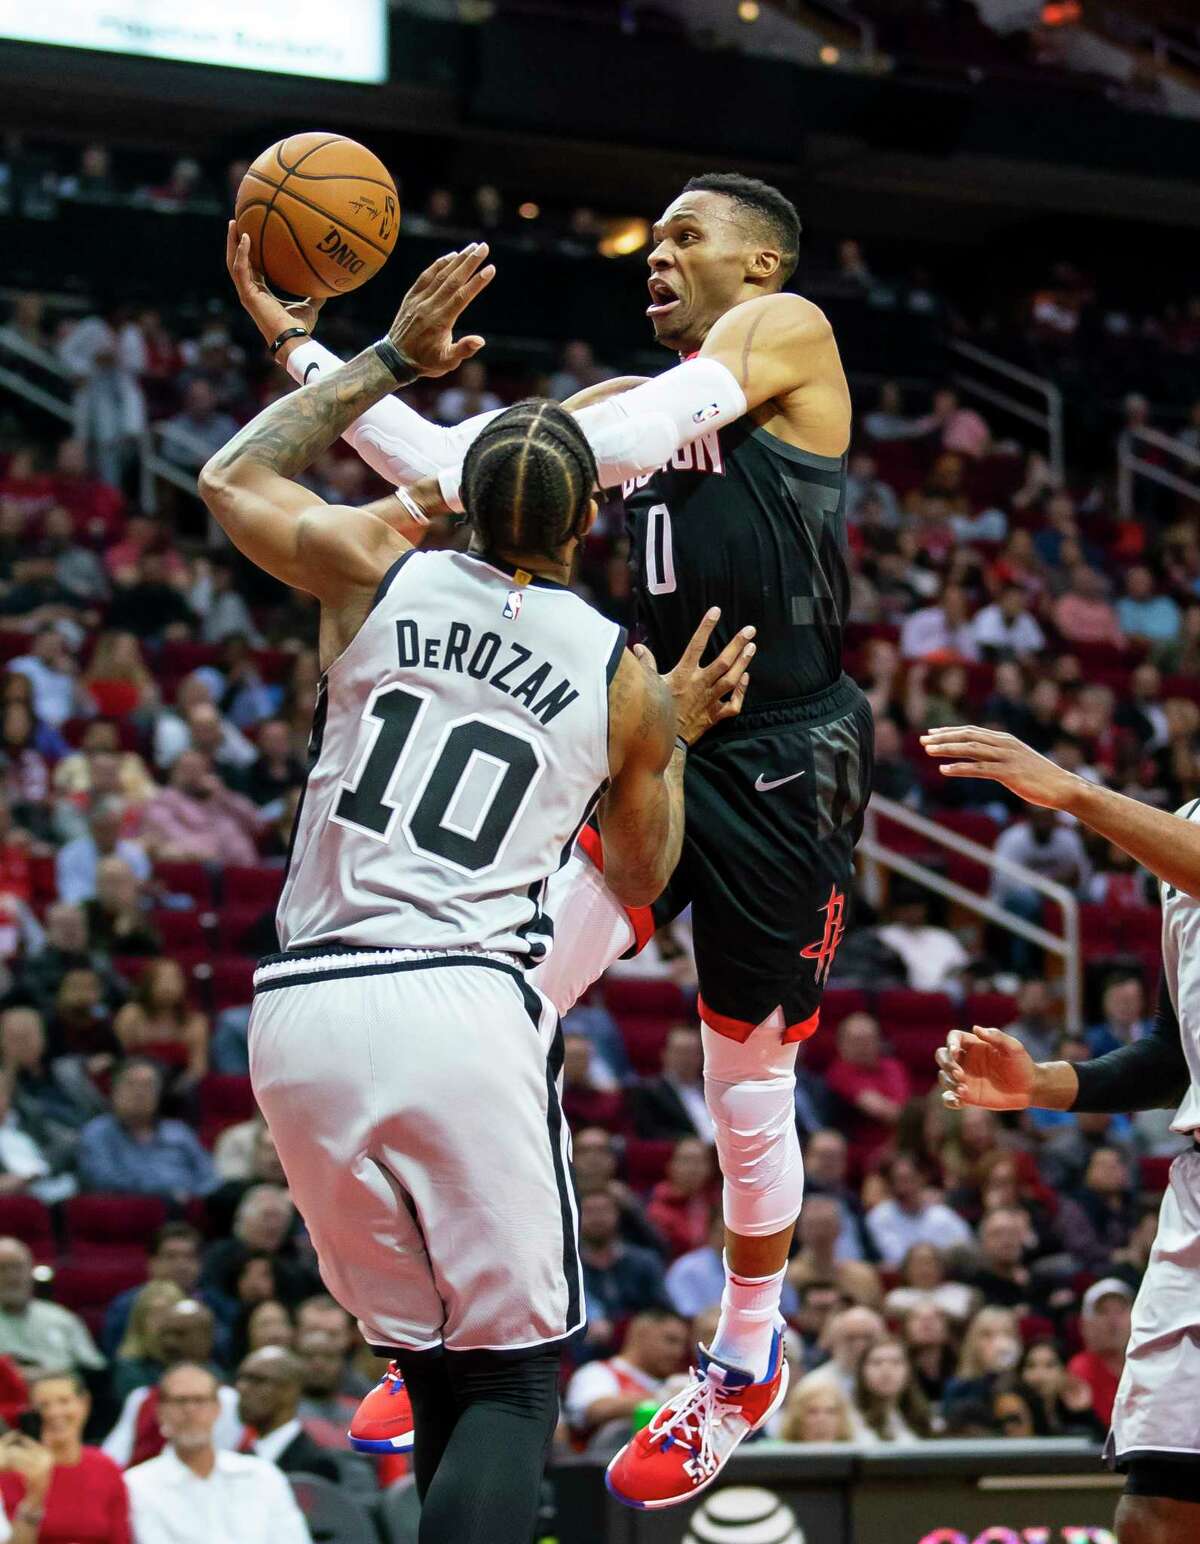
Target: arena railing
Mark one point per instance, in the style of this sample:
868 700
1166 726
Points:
994 387
38 378
879 856
1132 464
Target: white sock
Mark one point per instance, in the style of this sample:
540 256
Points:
749 1317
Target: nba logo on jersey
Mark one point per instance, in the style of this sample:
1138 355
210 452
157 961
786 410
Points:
512 606
703 414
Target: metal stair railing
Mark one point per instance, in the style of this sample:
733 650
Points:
880 856
1131 465
1047 415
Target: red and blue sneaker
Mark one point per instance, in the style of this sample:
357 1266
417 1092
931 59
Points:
383 1422
694 1435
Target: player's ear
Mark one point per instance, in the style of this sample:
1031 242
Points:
763 265
588 519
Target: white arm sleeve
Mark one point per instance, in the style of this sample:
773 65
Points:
640 430
390 437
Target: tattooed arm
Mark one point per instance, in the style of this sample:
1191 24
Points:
248 485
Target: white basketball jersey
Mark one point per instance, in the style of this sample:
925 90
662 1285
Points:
460 742
1181 971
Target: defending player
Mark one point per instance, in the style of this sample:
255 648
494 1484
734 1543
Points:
472 714
733 469
1155 1435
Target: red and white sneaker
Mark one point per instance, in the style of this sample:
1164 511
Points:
694 1435
383 1422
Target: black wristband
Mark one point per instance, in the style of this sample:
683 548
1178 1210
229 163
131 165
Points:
682 744
401 367
285 336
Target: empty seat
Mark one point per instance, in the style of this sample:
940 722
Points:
88 1288
28 1219
229 979
187 879
182 932
637 994
991 1010
249 886
101 1220
646 1162
900 1006
1154 1174
224 1101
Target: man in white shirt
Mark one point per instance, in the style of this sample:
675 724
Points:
195 1493
907 1218
1006 630
932 956
942 629
51 672
655 1346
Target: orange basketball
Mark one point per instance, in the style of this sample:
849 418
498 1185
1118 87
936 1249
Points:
321 213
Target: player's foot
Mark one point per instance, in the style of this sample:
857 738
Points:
694 1435
383 1423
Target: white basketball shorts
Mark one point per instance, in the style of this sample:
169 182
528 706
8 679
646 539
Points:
1157 1414
414 1100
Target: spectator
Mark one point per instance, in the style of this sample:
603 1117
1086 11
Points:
67 949
826 1164
110 409
77 571
30 1162
608 1393
174 1257
185 1495
909 1216
158 1022
888 421
577 370
222 609
1050 848
269 1384
321 1313
1006 629
672 1104
139 1360
144 536
150 605
594 1165
1124 1021
276 770
618 1278
817 1302
1104 1326
873 1087
57 1095
1085 614
888 1404
199 430
681 1205
1035 1026
1062 1401
39 1336
584 1102
96 507
57 695
80 1022
942 630
324 1409
933 957
848 1335
990 1349
186 1335
197 819
817 1258
263 1229
1002 1277
468 396
962 429
117 921
24 767
818 1412
927 1338
77 864
226 747
57 1491
893 774
1109 1204
135 1150
269 1324
1142 612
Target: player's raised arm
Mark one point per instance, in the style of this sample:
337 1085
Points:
249 484
1161 842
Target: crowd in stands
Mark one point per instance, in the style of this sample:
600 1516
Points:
954 1273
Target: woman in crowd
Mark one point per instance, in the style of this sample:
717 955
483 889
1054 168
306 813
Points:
117 678
928 1339
991 1348
923 1281
888 1404
270 1324
1062 1403
57 1491
139 1359
818 1413
26 771
159 1021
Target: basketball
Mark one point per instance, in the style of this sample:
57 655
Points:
321 212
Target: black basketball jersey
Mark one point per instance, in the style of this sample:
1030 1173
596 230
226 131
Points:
742 520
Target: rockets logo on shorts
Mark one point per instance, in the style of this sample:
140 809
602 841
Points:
825 947
512 606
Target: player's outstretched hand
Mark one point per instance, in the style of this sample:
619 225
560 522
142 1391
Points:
270 315
707 694
985 1067
423 330
967 751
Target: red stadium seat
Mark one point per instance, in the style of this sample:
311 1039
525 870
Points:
28 1219
899 1006
992 1010
229 980
839 1003
87 1289
224 1101
1154 1174
636 994
644 1036
182 932
180 657
646 1162
186 879
915 1047
97 1222
252 886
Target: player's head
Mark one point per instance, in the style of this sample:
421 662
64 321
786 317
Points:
726 238
527 482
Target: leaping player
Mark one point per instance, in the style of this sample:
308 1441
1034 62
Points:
473 712
1155 1437
733 467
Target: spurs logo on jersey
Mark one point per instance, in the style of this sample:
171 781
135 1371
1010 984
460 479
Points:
457 753
702 455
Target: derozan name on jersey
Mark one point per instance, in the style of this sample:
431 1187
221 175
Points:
486 657
702 455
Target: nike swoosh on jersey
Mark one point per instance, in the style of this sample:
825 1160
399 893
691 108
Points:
761 785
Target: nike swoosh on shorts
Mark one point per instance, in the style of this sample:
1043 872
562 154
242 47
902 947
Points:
761 785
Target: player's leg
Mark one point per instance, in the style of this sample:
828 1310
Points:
1155 1519
487 1483
434 1411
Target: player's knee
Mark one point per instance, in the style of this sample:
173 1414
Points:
1148 1520
754 1125
523 1386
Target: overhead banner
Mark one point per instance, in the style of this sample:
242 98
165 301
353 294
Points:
344 40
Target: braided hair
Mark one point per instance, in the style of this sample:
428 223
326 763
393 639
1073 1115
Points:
527 479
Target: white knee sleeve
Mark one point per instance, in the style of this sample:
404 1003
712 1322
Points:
750 1088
